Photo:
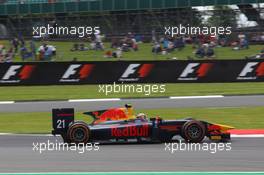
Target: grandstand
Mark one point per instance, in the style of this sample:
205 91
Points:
116 17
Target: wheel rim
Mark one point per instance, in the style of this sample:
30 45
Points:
194 132
79 134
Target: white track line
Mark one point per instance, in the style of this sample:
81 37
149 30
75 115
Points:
7 102
141 172
247 135
91 100
14 134
196 97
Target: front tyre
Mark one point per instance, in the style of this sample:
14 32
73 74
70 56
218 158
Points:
193 131
79 132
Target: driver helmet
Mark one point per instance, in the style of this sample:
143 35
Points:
128 105
141 116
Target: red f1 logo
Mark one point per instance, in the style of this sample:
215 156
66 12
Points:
198 69
77 71
252 67
23 72
137 70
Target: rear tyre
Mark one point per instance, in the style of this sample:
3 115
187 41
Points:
193 131
78 132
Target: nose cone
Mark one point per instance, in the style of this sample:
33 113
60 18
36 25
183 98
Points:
224 128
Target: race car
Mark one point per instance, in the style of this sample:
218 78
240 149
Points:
121 124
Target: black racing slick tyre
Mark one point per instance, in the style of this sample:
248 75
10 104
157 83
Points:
193 131
79 132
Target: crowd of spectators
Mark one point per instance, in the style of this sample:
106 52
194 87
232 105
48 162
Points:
128 43
118 45
27 51
95 44
203 45
166 45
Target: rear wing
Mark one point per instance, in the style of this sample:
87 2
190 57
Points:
61 119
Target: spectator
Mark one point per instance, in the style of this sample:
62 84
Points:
79 47
156 48
125 47
99 45
222 41
200 52
115 54
82 47
165 43
2 53
170 47
244 44
260 55
134 45
93 45
46 52
210 52
24 53
75 47
138 38
115 43
33 49
15 44
179 43
9 56
195 41
154 38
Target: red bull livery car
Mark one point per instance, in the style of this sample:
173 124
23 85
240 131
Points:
120 124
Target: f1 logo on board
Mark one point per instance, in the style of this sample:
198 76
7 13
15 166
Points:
77 72
193 71
252 71
136 71
17 73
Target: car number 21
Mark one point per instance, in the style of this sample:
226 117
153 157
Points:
60 124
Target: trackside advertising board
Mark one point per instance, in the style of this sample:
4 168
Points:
55 73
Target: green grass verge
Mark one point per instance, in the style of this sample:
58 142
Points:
144 53
40 122
92 91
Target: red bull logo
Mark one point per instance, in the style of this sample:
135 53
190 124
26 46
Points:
111 114
131 131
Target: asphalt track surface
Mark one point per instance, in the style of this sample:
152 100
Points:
145 103
17 155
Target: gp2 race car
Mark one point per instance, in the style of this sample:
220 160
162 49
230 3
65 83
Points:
120 124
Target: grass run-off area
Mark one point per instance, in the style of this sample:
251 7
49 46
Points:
65 92
144 52
40 122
